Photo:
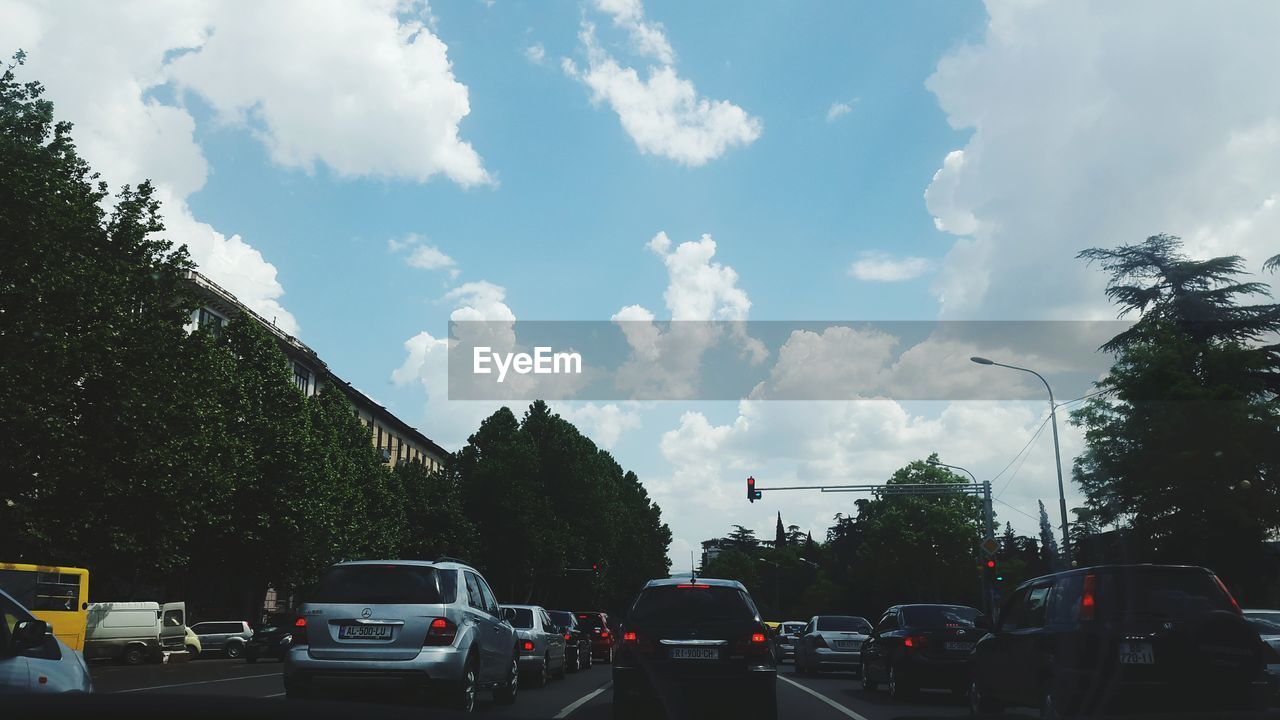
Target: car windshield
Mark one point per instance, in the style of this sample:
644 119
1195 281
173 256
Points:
690 605
790 628
938 616
523 618
1165 593
843 623
386 584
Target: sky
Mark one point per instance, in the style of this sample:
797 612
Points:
362 172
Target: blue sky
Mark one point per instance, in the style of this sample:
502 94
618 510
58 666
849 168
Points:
849 161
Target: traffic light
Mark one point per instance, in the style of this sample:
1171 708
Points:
752 493
595 568
994 571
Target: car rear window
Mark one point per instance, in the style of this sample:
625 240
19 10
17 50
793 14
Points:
843 623
589 620
939 616
563 618
386 584
1165 593
523 619
686 605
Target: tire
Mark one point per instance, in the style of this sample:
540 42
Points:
506 693
462 696
590 659
898 688
192 651
982 704
134 655
576 664
234 650
544 676
564 668
868 683
608 658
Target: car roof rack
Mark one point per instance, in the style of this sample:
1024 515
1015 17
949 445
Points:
446 558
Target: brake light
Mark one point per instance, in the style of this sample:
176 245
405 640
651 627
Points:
1234 605
915 641
697 586
1087 602
567 636
441 632
757 638
527 646
628 637
604 634
299 631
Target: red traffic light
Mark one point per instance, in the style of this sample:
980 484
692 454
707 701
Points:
991 563
752 493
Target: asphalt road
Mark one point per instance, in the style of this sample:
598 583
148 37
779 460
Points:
581 696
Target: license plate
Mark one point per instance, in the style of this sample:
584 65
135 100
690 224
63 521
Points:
364 632
960 646
1137 653
695 654
848 644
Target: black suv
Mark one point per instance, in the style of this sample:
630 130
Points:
1117 638
577 640
921 646
694 634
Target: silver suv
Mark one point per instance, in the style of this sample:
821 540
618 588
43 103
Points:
427 624
228 636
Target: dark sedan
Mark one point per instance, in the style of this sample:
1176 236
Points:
271 639
921 646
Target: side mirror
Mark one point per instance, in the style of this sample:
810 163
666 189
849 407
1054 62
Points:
508 614
982 622
29 634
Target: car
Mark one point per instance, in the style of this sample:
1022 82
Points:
225 636
425 625
602 639
831 642
542 654
702 635
1116 638
577 640
784 638
921 646
271 639
193 645
32 660
1267 625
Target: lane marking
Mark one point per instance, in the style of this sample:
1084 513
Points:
198 682
275 695
581 701
847 712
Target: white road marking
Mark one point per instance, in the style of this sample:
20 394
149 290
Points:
198 682
847 712
275 695
580 702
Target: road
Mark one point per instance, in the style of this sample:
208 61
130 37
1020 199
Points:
581 696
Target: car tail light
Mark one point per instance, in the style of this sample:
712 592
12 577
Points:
527 646
441 632
915 641
696 586
1235 606
604 634
299 631
819 641
758 638
1087 601
629 637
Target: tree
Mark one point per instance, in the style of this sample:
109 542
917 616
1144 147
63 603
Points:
1047 543
795 536
1272 263
1187 413
744 539
779 534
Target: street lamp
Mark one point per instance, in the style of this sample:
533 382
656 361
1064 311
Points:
810 563
984 518
1057 452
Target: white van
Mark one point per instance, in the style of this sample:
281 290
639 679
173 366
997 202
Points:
134 631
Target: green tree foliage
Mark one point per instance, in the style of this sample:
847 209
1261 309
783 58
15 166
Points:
1190 412
1048 545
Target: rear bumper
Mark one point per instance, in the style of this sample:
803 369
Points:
832 659
631 679
430 665
936 672
531 664
1087 691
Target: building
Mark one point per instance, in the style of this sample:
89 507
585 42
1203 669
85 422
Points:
397 440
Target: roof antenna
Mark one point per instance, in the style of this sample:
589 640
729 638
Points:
693 569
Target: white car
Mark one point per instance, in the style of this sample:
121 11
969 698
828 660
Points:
32 660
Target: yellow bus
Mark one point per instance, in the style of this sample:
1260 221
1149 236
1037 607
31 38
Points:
57 595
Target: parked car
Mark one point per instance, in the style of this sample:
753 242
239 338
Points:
226 636
193 646
831 642
577 640
270 639
542 654
1107 639
435 624
702 634
1267 625
32 660
921 646
784 639
602 639
134 632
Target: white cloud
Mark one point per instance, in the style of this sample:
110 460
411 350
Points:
838 110
1098 123
604 424
535 53
882 267
662 113
423 255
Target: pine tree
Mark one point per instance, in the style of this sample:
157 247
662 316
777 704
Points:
1047 543
780 534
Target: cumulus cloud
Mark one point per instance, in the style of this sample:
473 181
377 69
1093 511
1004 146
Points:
535 53
1097 123
423 255
838 110
662 112
882 267
604 424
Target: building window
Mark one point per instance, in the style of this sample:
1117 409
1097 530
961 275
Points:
379 443
302 378
208 319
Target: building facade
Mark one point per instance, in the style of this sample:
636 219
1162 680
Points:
395 439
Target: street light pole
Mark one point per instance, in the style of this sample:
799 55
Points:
984 519
1057 452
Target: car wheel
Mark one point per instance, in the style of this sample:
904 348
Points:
297 689
868 683
463 697
590 660
505 693
608 658
898 688
193 652
982 704
134 655
544 675
234 650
